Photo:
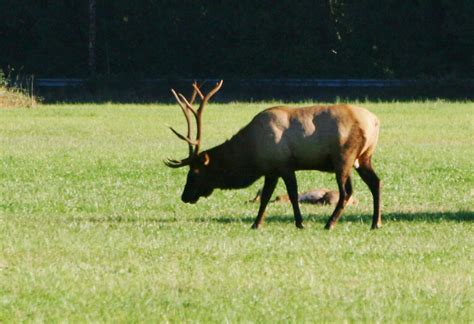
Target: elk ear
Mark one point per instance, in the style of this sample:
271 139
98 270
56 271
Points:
206 159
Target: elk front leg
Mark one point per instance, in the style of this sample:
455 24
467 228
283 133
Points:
267 191
292 189
343 184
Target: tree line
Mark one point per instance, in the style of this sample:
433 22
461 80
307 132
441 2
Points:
240 38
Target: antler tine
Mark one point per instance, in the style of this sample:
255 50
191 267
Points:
211 93
172 163
185 109
184 138
196 91
188 104
196 87
199 113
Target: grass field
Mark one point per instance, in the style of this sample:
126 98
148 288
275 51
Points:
92 227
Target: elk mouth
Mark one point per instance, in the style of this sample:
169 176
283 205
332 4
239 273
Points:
189 200
192 201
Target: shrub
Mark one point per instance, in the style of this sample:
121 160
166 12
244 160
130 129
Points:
15 96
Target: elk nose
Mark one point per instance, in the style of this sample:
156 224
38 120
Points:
188 199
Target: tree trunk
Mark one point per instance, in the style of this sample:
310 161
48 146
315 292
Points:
92 36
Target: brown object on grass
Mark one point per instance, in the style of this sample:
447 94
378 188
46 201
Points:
320 196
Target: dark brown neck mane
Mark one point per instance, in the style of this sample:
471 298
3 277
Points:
233 165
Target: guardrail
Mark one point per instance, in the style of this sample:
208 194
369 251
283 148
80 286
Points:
325 83
58 83
254 89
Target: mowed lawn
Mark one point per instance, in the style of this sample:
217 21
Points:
92 227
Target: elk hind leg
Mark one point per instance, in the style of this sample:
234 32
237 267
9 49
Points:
292 189
267 191
348 188
368 175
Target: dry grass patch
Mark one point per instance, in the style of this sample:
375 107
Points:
16 98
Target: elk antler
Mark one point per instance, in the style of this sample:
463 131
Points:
196 90
188 110
177 163
204 100
185 108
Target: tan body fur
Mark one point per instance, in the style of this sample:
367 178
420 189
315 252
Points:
281 140
310 138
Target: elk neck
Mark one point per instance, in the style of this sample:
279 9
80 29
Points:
232 165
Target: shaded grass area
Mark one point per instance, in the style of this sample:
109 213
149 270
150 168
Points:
92 228
422 217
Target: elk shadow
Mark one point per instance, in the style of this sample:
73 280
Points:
422 217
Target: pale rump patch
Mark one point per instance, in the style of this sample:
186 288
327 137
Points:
356 163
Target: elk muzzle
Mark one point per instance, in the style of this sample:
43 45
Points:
191 195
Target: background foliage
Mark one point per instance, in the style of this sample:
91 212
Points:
165 38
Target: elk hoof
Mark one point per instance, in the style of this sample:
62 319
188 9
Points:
299 225
256 226
329 226
376 226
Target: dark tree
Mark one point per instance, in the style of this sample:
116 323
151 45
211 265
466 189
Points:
239 38
92 37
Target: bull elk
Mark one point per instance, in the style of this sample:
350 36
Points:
276 143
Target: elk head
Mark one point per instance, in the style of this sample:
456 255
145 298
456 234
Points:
197 184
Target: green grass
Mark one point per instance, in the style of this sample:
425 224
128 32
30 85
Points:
92 227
